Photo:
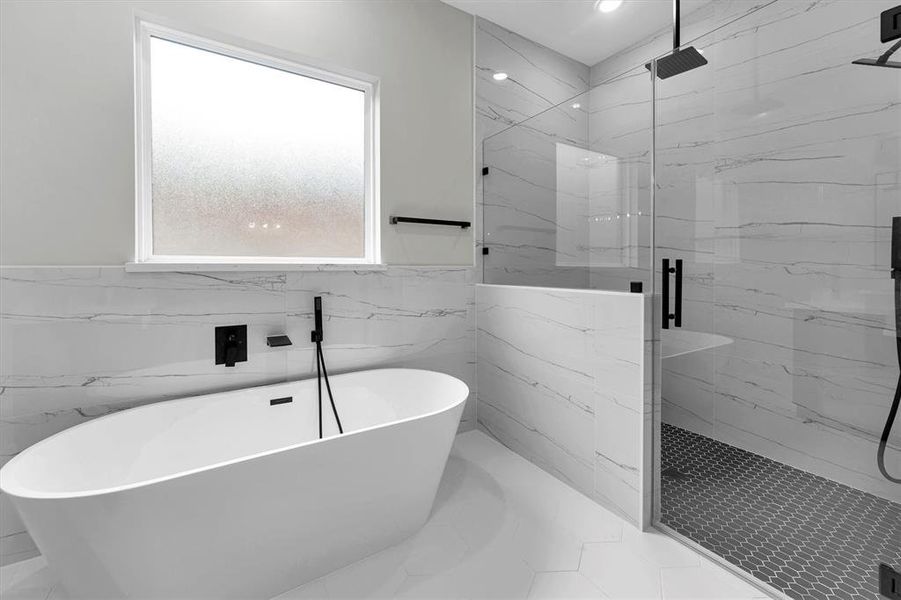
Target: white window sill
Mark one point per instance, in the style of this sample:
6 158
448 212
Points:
160 266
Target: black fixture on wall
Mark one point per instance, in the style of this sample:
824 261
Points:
461 224
278 341
231 345
889 582
893 410
890 29
316 336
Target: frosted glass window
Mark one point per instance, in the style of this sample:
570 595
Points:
251 161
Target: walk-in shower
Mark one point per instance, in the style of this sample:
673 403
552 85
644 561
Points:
891 30
772 175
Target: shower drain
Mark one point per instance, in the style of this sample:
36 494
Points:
673 473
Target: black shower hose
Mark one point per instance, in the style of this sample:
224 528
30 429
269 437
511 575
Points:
893 411
321 374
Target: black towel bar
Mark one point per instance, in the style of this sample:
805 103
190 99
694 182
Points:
462 224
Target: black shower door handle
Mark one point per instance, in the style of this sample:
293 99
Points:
676 316
664 297
678 320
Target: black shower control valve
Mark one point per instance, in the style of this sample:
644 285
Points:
889 582
231 345
890 24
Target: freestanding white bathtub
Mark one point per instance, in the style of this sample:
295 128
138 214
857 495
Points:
228 496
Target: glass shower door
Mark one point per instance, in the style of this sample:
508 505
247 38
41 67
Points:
777 169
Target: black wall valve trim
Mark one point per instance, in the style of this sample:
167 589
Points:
890 24
889 582
231 345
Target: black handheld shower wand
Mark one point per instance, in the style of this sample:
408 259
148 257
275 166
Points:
317 320
316 336
893 411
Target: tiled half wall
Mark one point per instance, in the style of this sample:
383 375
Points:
564 380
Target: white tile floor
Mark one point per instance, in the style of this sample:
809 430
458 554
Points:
501 528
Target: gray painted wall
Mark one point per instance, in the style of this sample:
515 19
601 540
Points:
67 120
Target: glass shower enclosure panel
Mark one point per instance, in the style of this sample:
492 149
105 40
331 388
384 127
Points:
778 172
621 140
566 196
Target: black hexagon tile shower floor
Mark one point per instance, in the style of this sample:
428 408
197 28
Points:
810 537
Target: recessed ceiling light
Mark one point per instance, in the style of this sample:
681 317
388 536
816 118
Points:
608 5
500 76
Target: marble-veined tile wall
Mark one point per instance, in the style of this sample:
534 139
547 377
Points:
778 168
620 128
566 202
529 191
539 78
80 342
564 380
620 132
517 200
562 393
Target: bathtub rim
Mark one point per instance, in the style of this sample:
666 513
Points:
37 495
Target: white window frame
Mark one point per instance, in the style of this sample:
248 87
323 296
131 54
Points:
145 259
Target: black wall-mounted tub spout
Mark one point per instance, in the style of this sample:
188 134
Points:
277 341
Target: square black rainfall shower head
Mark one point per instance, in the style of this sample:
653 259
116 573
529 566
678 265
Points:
678 62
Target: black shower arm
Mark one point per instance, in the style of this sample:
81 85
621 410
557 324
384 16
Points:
676 25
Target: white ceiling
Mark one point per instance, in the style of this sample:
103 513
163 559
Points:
574 28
